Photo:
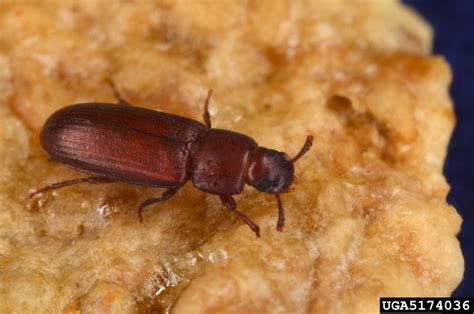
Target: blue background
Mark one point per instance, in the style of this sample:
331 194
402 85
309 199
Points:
453 22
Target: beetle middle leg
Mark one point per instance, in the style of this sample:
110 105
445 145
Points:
166 195
229 202
206 116
62 184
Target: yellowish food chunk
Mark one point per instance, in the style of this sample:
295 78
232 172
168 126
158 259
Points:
368 217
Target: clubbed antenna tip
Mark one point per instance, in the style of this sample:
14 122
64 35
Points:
304 149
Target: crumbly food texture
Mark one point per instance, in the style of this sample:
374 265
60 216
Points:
368 217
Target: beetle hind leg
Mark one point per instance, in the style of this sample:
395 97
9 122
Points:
63 184
118 96
166 195
229 202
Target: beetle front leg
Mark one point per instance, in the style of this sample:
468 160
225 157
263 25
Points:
229 202
281 214
66 183
166 195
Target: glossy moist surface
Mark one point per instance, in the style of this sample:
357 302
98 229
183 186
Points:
131 144
368 217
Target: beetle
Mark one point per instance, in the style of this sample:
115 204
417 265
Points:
122 142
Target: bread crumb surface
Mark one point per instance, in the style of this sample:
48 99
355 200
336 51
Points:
368 217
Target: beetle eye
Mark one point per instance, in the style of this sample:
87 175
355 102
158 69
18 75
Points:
266 185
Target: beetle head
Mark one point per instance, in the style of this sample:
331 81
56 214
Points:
271 171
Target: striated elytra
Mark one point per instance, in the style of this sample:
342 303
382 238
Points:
121 142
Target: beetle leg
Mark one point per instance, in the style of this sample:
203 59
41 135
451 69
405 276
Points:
281 214
229 202
206 116
63 184
166 195
120 99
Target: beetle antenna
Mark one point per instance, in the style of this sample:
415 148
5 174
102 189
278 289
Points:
304 149
281 213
